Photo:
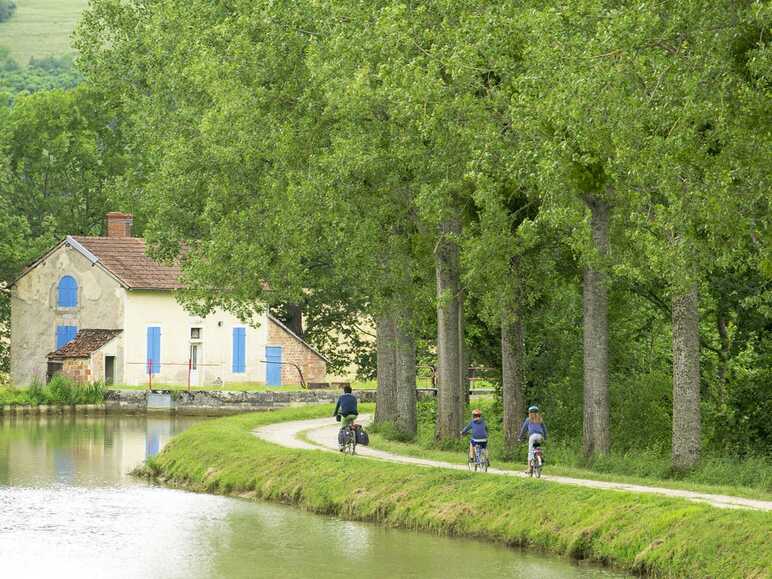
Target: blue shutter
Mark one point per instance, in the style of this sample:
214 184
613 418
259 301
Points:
273 355
65 334
239 350
154 349
68 292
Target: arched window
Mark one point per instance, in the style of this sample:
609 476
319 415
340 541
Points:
68 292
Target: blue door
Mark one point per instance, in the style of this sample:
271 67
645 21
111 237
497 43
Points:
153 350
273 370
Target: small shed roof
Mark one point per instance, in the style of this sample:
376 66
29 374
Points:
85 343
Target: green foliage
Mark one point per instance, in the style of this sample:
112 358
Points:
59 391
644 534
312 164
41 74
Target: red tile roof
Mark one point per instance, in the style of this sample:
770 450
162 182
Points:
85 343
125 258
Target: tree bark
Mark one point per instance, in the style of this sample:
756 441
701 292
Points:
450 401
595 436
686 380
295 319
513 376
386 357
406 421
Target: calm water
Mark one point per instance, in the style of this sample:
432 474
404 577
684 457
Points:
69 509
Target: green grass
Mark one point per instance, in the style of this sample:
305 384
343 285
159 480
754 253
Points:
644 534
750 477
59 391
380 442
41 28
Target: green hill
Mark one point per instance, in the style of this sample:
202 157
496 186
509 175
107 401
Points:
41 28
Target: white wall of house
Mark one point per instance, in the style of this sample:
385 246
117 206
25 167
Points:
144 309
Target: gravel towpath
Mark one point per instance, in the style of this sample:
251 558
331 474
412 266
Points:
322 434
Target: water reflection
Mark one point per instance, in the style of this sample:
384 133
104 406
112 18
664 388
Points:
69 509
81 450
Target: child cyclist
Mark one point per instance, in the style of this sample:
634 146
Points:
479 432
537 432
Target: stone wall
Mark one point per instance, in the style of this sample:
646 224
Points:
297 352
216 402
77 369
220 402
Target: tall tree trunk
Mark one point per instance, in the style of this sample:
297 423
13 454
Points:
295 319
513 365
686 380
386 355
595 436
450 401
406 421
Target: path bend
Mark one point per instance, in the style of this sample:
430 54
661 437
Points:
322 434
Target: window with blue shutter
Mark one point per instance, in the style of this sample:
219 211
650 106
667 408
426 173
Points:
153 350
239 350
65 334
67 292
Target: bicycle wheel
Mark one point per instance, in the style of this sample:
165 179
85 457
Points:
537 467
484 460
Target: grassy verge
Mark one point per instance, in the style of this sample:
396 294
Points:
380 442
749 477
59 391
644 534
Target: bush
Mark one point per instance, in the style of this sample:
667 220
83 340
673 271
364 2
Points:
59 391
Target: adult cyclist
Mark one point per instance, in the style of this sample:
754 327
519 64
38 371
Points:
346 408
479 431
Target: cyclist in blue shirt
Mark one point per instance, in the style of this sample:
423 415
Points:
536 429
346 408
479 431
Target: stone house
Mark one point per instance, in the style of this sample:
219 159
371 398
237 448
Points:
99 309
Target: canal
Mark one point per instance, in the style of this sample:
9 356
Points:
69 508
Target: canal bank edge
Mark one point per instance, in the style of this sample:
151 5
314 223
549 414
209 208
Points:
658 536
204 402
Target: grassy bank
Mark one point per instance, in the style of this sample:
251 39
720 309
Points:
645 534
59 391
747 477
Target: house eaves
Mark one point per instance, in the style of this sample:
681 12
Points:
294 335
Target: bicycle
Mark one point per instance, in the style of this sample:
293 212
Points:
537 462
347 439
480 460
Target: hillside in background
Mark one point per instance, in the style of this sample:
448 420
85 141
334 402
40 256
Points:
40 28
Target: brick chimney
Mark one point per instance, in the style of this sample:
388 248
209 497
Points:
119 224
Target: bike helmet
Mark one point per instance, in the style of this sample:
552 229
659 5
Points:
533 408
476 412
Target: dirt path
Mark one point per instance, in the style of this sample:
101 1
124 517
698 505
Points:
322 434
